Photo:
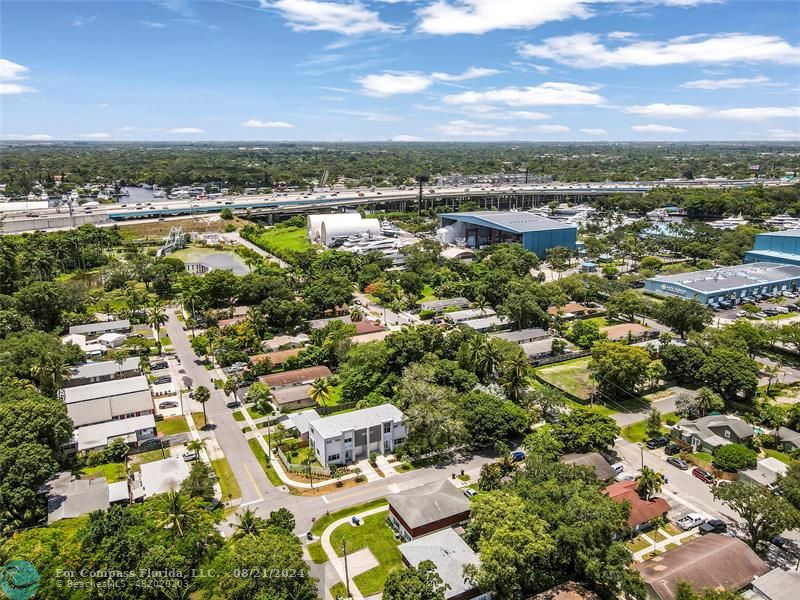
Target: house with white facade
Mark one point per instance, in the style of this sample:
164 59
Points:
108 401
349 437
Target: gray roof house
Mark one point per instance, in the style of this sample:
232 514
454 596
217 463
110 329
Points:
96 329
68 496
427 508
712 432
450 554
594 461
95 372
778 584
789 439
766 472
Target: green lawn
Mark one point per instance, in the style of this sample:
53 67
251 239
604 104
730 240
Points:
637 432
254 414
301 455
317 553
113 472
172 425
376 535
324 521
145 457
238 416
228 483
338 591
265 464
199 420
336 396
638 544
781 456
571 376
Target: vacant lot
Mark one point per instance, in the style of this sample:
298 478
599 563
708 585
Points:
572 376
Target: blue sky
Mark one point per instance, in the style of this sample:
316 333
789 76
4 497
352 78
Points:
404 70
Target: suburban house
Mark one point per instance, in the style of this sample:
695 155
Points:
112 340
486 324
277 357
292 398
163 476
712 432
427 508
710 561
642 511
301 422
594 461
788 439
284 342
439 306
569 590
522 336
570 310
778 584
297 377
108 401
467 315
371 337
93 330
626 331
766 472
450 554
95 372
91 349
349 437
365 327
538 349
133 431
69 497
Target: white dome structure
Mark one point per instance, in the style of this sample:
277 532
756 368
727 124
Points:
334 227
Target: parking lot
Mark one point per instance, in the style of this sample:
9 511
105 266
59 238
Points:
733 313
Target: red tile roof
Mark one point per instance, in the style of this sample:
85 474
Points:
363 327
642 511
278 357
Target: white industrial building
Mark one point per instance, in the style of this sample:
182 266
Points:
108 401
326 229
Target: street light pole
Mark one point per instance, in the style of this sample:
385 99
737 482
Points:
346 572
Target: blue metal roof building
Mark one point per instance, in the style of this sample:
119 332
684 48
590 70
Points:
740 283
536 233
779 246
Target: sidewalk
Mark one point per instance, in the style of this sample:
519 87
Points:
335 560
662 545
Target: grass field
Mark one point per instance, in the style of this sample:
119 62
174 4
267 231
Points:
781 456
238 416
316 553
265 464
159 230
324 521
338 590
571 376
228 483
376 535
199 420
637 432
172 425
113 472
145 457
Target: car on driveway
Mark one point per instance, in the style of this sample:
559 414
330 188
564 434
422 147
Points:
190 456
470 492
713 526
159 365
703 475
657 442
678 462
162 380
671 449
168 404
625 476
690 521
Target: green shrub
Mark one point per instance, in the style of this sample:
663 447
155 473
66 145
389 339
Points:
734 457
671 419
427 314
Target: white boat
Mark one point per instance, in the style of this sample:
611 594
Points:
32 197
729 223
158 193
783 221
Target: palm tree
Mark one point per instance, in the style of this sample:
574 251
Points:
772 372
515 376
250 524
480 303
195 445
258 321
469 352
320 391
649 482
176 512
189 297
707 400
657 524
156 317
52 371
231 385
489 357
356 315
202 394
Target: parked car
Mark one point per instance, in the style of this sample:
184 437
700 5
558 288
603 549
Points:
690 521
517 456
713 526
657 442
671 449
233 404
625 476
789 294
678 462
190 456
168 404
158 366
470 492
162 380
618 468
703 475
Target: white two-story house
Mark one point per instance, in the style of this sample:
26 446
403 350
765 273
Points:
350 437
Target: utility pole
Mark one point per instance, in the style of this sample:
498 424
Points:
346 572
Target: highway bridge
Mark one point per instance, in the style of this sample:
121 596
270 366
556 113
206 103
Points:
278 204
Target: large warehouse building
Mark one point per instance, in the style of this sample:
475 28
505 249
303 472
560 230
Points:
476 229
779 246
732 285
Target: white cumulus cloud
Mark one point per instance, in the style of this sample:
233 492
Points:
725 84
29 137
11 72
654 128
594 131
759 113
352 18
101 135
463 128
267 124
552 128
667 110
585 50
391 83
783 134
545 94
185 130
406 138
